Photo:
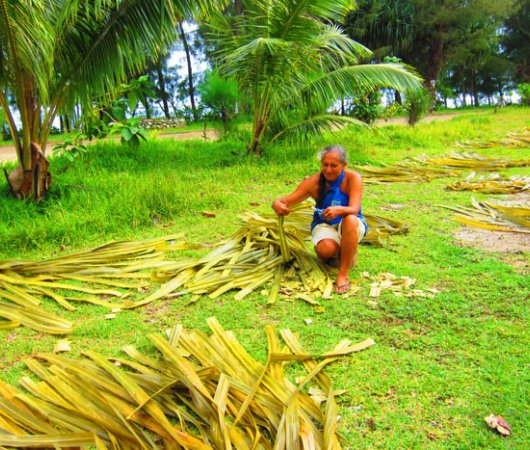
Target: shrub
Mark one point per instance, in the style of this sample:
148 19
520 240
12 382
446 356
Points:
418 104
524 92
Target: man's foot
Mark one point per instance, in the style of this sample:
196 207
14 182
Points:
342 288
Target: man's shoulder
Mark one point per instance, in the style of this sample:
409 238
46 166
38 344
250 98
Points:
352 174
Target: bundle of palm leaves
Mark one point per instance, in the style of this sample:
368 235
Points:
264 250
424 168
494 217
511 140
493 184
200 392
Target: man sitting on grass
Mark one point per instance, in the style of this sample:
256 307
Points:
338 224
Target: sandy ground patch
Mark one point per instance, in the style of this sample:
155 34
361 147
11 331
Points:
514 248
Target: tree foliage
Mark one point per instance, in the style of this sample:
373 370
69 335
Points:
292 63
61 53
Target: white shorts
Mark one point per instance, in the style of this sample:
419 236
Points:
325 231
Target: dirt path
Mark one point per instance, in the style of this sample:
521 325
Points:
8 153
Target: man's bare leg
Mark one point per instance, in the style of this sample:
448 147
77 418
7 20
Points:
348 253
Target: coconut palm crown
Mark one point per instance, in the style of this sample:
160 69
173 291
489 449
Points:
293 62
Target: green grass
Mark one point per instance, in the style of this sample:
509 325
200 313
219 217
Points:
440 365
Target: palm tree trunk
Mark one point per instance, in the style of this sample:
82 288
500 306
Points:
191 89
162 88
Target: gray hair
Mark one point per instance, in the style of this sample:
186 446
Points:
343 156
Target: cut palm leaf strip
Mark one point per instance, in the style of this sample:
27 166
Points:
424 168
493 184
175 401
266 249
494 217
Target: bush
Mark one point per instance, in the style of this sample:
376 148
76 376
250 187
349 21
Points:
367 108
417 103
524 91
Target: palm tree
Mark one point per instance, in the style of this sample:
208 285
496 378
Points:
293 63
59 53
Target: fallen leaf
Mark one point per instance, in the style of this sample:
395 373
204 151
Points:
62 346
375 291
208 214
498 423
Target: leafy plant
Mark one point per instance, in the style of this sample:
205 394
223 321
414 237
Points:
220 94
56 55
130 130
524 91
72 147
367 107
418 103
293 63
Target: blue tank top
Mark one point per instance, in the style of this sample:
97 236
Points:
334 197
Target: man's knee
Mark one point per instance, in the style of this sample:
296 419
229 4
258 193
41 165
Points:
350 225
327 248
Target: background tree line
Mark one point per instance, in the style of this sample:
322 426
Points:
294 68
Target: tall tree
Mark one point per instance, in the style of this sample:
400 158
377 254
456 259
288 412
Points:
384 26
57 53
292 64
516 40
441 27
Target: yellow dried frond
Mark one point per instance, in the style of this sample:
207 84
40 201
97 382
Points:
217 396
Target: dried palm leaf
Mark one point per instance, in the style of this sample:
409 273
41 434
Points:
408 171
200 393
511 140
265 249
494 217
424 168
473 161
493 184
24 284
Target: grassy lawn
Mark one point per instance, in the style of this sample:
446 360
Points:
439 366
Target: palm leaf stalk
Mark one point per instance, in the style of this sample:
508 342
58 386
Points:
511 140
494 217
493 184
113 270
200 392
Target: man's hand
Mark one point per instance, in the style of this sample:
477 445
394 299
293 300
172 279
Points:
332 212
280 208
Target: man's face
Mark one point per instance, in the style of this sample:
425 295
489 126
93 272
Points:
332 166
